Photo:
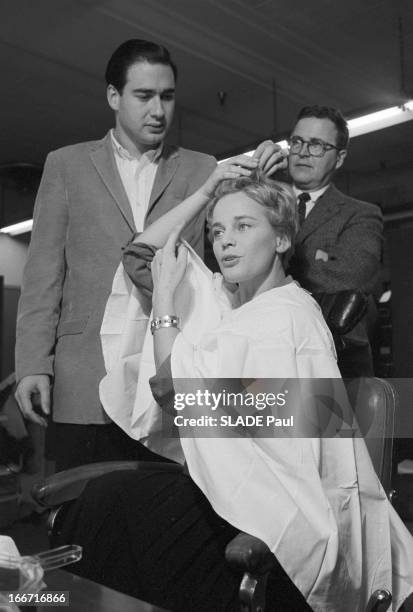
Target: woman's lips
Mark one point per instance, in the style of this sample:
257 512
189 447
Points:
230 260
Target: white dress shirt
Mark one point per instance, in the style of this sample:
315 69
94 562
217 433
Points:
314 195
138 175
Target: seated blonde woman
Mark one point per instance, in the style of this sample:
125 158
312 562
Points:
315 501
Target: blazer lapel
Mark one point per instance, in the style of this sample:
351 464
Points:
326 207
104 161
168 164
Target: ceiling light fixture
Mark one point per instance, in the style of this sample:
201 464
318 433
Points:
381 119
17 228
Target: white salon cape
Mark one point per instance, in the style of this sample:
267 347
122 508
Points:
316 502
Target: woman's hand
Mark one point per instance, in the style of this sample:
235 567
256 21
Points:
268 156
168 269
241 165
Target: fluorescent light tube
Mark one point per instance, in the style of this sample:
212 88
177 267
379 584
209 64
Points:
381 119
17 228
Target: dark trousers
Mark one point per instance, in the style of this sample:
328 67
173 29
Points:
73 445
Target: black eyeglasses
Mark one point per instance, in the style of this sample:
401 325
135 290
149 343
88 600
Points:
315 147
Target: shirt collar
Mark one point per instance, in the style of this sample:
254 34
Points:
151 156
314 195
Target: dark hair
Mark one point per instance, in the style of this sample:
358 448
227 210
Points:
334 115
130 52
277 198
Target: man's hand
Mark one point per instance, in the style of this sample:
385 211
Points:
27 396
232 168
271 157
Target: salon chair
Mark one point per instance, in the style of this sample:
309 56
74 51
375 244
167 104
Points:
374 402
342 311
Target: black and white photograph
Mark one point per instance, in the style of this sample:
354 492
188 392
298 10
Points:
206 305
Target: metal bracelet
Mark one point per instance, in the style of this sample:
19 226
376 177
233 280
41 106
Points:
165 321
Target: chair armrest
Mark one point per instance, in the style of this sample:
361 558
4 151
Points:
65 486
342 310
252 556
379 601
249 554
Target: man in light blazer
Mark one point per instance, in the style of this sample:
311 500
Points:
339 242
92 199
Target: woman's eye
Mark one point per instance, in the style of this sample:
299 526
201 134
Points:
243 227
217 233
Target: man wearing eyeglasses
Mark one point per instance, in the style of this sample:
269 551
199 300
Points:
339 242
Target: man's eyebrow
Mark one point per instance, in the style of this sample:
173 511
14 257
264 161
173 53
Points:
153 91
308 139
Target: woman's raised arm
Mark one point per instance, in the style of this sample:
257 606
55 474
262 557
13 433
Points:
159 231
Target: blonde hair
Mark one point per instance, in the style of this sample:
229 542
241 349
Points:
277 198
